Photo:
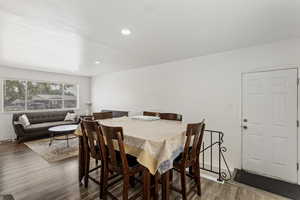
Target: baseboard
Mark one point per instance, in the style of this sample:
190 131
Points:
7 141
213 176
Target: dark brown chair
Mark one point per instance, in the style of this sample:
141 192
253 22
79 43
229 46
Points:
92 148
170 116
120 163
147 113
117 113
95 147
99 116
190 158
102 115
87 117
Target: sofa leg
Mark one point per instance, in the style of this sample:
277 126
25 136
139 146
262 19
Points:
19 140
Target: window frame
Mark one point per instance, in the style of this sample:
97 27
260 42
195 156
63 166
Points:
26 96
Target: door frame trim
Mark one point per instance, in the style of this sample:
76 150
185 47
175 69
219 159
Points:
241 118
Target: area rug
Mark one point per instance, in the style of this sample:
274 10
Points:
6 197
57 151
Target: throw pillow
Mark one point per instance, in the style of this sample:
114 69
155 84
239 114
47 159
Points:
70 117
23 119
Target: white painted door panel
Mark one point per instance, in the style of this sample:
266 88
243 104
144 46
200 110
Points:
270 108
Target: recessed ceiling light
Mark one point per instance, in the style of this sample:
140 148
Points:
97 62
125 31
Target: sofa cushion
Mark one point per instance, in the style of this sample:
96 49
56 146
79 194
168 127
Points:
44 126
36 118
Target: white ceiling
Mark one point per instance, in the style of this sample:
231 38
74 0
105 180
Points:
68 36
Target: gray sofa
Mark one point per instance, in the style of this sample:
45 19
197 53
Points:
40 122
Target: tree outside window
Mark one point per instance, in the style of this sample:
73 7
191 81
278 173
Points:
14 95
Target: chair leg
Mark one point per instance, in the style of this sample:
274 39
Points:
103 190
146 192
87 169
165 187
132 181
197 178
171 176
191 172
102 181
156 186
183 184
125 187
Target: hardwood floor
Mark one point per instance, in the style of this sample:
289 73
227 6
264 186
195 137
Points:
27 176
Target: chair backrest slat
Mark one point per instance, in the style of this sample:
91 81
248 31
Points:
147 113
102 115
170 116
87 118
117 113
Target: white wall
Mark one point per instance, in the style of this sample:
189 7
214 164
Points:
6 129
204 87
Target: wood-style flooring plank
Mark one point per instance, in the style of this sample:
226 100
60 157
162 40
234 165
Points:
27 176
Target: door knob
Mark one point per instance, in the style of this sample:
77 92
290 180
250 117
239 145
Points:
245 127
245 120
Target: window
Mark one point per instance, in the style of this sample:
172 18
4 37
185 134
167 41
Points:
44 96
38 95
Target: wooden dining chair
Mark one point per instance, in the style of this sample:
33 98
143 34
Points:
96 149
147 113
117 113
92 148
170 116
190 158
99 116
118 162
102 115
86 117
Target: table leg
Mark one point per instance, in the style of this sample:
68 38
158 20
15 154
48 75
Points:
166 185
81 159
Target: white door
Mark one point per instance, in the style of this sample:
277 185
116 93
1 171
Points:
269 123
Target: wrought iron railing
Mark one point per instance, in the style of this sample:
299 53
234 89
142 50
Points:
223 175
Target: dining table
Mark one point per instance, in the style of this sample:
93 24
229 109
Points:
154 142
